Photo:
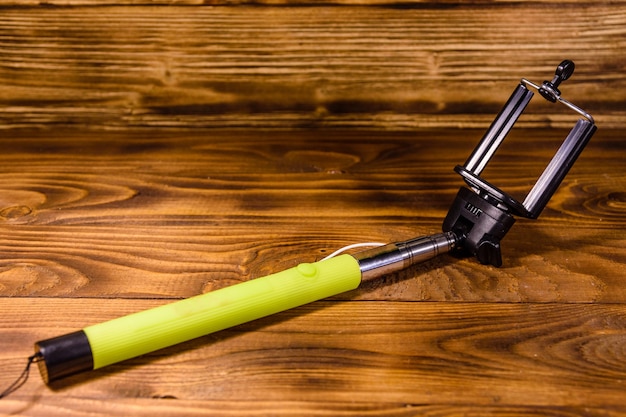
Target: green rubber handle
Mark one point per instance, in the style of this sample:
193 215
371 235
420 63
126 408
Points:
167 325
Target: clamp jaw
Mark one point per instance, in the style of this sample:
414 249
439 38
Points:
483 214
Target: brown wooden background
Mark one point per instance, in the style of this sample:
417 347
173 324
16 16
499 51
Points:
151 151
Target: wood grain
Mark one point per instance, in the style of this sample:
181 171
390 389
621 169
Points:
291 3
116 67
380 357
97 226
152 151
163 216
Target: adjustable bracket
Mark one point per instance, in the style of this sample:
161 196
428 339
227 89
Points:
484 214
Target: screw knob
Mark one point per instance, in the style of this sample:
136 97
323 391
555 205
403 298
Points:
549 89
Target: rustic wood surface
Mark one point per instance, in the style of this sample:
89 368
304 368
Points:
97 226
151 151
403 67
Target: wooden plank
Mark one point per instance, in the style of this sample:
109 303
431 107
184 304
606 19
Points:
68 407
212 3
170 216
312 67
578 267
75 178
364 356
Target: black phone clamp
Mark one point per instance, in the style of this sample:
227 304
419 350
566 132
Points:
483 214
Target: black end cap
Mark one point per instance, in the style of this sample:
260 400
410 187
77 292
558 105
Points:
63 356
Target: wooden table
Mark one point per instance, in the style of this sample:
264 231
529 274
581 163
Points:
173 151
97 227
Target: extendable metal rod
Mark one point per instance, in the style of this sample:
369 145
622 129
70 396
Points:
384 260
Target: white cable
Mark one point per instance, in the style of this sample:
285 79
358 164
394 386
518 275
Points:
353 246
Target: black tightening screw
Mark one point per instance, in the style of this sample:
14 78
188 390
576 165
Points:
549 89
